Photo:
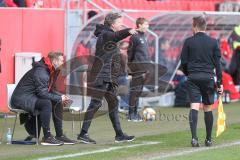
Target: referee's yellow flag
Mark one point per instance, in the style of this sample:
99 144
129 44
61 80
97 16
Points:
221 125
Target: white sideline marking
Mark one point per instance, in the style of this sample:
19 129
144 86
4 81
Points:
98 151
193 150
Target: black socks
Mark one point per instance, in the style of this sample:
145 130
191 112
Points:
208 118
193 118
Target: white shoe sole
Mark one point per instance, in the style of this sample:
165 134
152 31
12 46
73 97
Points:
85 142
50 144
137 120
124 141
66 143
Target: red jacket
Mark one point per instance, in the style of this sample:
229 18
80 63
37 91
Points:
10 3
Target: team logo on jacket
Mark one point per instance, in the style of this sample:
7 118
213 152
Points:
109 46
142 41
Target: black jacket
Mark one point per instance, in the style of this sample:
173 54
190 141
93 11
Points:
138 50
234 67
201 54
32 86
107 50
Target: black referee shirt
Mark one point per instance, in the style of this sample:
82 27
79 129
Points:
201 54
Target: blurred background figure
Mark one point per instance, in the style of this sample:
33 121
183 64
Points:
123 80
234 68
138 52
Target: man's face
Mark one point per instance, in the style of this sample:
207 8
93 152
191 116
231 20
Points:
143 27
58 62
166 45
118 24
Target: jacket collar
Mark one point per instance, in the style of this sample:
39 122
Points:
200 33
49 65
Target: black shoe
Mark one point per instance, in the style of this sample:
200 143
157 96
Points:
208 143
131 117
195 143
124 138
29 138
137 118
66 140
86 139
51 141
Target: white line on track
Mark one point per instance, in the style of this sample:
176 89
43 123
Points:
193 150
98 151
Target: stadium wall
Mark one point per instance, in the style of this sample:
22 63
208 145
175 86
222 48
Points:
27 30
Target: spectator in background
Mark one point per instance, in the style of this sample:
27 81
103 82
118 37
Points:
164 45
10 3
2 3
235 37
91 14
234 68
92 42
86 46
20 3
14 3
164 58
38 4
123 78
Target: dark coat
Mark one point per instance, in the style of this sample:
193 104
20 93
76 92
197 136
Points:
139 60
234 67
32 86
138 50
107 50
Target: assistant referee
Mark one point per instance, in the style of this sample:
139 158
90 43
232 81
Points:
200 60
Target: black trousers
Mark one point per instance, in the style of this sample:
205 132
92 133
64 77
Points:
143 73
108 91
136 87
45 108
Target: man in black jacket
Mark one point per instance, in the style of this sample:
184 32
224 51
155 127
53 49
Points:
234 67
34 93
138 52
200 57
104 84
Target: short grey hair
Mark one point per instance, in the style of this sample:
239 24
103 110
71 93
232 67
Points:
111 18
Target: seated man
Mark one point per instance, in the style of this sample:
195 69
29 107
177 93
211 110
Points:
34 93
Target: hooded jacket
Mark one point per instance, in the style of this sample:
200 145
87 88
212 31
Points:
107 50
34 85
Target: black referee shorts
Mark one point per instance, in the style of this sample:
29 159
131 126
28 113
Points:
201 88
